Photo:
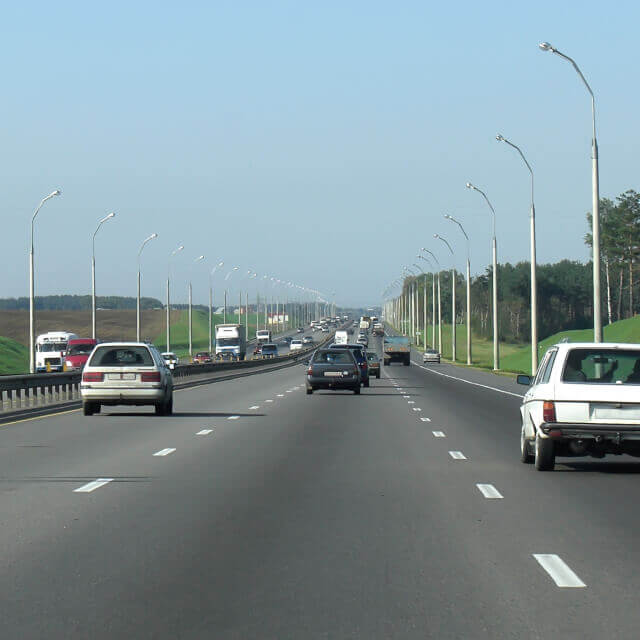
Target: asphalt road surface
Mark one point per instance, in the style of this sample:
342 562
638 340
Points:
257 511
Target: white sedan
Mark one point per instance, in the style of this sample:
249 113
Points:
295 345
584 400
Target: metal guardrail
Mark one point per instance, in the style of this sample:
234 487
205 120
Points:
29 391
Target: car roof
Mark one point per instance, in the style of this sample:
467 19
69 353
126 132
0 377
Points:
125 344
597 345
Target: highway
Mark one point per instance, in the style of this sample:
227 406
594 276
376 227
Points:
256 511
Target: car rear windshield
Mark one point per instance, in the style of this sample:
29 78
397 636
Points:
79 349
333 357
133 356
602 366
268 348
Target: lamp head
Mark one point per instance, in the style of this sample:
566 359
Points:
221 264
500 138
435 235
153 236
111 215
545 46
235 268
447 216
180 248
199 258
470 186
57 192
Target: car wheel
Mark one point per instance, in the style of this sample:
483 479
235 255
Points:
159 407
366 382
525 450
87 408
407 363
386 363
545 455
378 375
309 391
356 390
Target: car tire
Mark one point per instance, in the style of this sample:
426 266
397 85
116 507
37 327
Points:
545 454
366 383
407 363
525 449
309 391
88 408
356 390
159 408
378 375
386 363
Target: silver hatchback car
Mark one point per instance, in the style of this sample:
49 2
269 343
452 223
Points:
128 373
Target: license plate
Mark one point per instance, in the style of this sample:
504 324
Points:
333 374
113 376
128 376
121 376
612 412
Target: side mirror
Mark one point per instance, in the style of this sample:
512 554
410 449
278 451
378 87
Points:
525 380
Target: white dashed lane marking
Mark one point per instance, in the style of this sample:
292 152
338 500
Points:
92 486
439 434
489 491
255 406
268 400
416 409
425 419
204 432
559 571
164 452
233 417
281 395
457 455
411 401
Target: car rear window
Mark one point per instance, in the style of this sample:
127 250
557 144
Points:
134 356
333 357
79 349
602 366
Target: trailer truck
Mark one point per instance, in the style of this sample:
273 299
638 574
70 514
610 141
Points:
231 341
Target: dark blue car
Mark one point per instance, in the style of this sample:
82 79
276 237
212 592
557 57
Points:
360 354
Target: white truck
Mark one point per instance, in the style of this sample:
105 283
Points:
341 337
230 341
263 336
50 350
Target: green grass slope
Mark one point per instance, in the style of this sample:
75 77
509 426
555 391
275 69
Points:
623 331
14 357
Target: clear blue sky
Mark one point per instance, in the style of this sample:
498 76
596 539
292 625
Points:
317 142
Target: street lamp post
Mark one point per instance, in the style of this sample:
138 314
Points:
173 253
211 274
190 309
534 292
452 219
453 299
595 195
494 251
434 304
32 366
93 273
224 313
151 237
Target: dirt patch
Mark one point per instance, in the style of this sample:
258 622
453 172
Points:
111 325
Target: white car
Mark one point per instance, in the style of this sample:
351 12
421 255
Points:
431 355
584 400
296 345
129 373
170 359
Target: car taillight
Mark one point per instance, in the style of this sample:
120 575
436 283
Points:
93 376
548 411
150 376
309 371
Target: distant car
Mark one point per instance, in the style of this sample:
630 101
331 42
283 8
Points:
269 350
258 349
128 373
288 339
333 369
307 340
300 329
170 359
203 357
360 352
325 329
363 340
431 355
77 353
296 345
374 364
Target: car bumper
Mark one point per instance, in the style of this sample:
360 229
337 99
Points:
116 395
590 431
432 359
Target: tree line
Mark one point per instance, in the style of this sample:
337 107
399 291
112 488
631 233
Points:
565 288
77 303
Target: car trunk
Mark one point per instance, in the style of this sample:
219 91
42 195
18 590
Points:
598 403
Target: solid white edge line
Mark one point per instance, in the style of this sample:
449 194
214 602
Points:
475 384
164 452
439 434
92 486
457 455
204 432
559 571
489 491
